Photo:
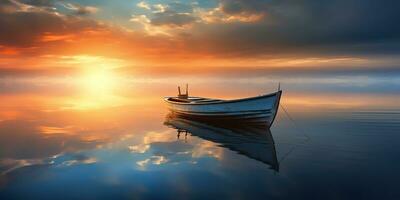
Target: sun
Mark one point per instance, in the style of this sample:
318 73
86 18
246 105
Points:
98 74
98 89
100 81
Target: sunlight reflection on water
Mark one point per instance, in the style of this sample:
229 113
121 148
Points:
115 144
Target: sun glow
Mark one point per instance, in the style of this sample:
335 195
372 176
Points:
99 82
97 90
97 73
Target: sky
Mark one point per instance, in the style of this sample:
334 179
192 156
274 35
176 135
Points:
62 36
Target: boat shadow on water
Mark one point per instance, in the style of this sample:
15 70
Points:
254 141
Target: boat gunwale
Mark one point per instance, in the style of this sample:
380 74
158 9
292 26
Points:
222 101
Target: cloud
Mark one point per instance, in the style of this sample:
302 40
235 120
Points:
164 19
48 3
171 18
20 33
181 7
42 24
216 15
219 30
140 18
234 7
174 14
143 5
8 6
335 27
159 8
81 10
149 29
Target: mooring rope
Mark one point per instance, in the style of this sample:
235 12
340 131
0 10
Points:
298 128
294 122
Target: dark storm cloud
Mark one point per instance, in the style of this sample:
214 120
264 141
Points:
335 26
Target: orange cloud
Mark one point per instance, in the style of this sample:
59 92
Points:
48 37
8 51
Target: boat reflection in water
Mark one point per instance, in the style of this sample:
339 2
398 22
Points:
252 140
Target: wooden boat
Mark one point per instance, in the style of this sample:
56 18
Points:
253 141
259 109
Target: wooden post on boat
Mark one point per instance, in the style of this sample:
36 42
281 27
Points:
183 96
187 89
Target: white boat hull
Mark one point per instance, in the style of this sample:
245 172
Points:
258 109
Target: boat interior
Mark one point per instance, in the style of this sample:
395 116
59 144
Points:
184 98
193 100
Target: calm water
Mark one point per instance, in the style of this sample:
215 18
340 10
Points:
340 141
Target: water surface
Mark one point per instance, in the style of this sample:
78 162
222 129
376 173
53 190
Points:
338 139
